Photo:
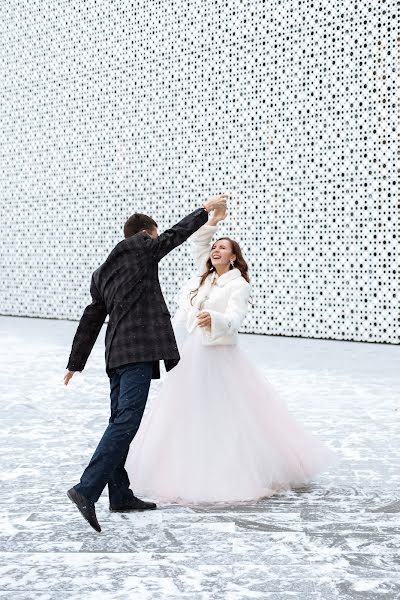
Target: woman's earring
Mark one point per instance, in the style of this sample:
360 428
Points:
232 262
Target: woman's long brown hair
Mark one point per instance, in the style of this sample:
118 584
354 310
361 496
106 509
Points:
239 263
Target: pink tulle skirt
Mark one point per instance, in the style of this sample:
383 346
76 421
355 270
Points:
218 432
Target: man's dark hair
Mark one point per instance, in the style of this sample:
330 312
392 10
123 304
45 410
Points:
138 222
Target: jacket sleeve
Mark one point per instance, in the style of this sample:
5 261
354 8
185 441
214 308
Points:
179 233
228 322
201 246
87 331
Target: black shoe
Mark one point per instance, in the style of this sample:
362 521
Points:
133 504
85 507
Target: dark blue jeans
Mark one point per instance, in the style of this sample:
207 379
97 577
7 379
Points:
129 390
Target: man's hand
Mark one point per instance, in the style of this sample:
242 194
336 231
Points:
215 202
68 375
204 319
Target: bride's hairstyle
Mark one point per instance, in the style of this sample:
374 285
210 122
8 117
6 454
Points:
239 263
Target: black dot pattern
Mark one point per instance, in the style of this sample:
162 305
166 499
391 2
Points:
114 107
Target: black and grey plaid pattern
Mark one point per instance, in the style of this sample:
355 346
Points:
126 287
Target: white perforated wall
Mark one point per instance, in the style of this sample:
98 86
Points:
112 107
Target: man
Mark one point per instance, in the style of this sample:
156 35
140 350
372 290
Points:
139 335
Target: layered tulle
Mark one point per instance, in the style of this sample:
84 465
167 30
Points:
218 432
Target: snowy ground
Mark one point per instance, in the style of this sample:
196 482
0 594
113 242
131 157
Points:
338 539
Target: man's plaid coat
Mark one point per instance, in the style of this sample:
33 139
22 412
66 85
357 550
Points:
126 288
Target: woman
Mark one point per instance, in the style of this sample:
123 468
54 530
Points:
218 432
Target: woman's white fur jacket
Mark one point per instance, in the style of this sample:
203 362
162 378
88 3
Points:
226 298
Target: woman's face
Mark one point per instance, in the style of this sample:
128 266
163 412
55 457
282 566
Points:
221 253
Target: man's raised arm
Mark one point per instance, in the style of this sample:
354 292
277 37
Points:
176 235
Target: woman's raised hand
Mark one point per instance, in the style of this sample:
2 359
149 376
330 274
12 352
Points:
218 214
215 202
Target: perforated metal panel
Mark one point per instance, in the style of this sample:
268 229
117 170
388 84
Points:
108 108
